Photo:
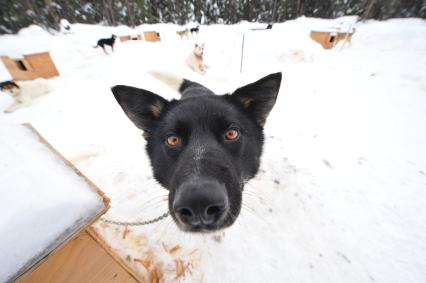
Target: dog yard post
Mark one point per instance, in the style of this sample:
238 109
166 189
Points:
242 55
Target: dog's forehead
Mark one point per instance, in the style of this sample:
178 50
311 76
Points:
199 109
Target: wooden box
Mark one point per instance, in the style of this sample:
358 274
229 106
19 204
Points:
124 38
152 36
69 252
82 259
31 66
329 38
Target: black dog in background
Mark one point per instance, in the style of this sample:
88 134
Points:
106 41
204 147
194 30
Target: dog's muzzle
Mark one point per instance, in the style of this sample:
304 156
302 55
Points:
201 206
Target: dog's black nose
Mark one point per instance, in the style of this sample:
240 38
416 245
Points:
201 206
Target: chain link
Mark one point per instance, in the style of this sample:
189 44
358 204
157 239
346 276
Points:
138 223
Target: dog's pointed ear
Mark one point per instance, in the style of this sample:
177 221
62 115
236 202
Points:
259 97
141 106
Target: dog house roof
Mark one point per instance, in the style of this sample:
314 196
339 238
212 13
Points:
43 202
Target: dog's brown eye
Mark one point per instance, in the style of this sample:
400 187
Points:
173 140
232 135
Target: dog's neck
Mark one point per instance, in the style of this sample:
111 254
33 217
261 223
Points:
198 55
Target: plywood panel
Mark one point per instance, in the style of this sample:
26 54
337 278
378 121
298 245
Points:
81 260
101 241
152 36
324 38
42 65
329 39
124 38
34 66
16 73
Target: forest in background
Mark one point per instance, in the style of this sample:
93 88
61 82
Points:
15 15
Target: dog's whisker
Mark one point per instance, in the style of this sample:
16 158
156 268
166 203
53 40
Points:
247 208
251 190
153 205
241 221
251 193
156 198
162 230
255 198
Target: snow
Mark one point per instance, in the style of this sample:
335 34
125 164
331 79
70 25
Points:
341 192
4 73
43 202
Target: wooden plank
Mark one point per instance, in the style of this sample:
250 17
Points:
92 231
82 260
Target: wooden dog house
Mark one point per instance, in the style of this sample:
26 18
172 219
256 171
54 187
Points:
83 259
31 66
152 36
67 252
130 37
329 38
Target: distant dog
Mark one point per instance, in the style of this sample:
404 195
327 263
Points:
204 147
183 33
24 92
346 37
195 30
195 59
106 41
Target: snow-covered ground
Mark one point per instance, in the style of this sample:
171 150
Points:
342 189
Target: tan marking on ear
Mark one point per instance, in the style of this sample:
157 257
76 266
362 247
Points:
247 102
156 109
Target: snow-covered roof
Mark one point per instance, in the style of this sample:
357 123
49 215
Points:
43 201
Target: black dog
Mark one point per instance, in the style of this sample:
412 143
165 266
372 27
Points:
204 147
106 41
195 30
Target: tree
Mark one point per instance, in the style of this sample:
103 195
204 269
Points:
47 13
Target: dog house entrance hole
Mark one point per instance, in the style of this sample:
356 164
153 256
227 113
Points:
21 65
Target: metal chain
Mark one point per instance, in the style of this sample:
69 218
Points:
138 223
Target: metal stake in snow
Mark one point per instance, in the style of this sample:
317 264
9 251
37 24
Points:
242 54
138 223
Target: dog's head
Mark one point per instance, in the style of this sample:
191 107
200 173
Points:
199 49
10 87
204 147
